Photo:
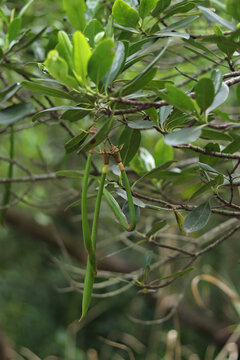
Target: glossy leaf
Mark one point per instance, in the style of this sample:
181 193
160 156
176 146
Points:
215 135
65 49
155 173
139 82
181 24
56 108
130 139
98 137
114 206
220 98
117 64
75 142
92 29
8 92
161 5
179 99
75 12
164 113
204 93
145 7
14 28
101 60
58 68
216 76
81 56
233 147
181 7
124 14
15 113
183 136
208 159
198 218
211 16
144 77
46 90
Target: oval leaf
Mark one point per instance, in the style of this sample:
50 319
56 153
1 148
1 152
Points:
183 136
197 218
101 60
124 14
204 93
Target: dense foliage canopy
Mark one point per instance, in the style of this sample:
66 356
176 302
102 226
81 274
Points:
120 149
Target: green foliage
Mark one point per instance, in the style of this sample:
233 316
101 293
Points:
152 87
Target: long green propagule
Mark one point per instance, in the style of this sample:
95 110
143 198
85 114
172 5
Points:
90 271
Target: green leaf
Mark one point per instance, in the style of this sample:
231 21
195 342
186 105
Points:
211 16
92 29
188 192
14 113
181 24
183 136
98 137
161 5
75 12
81 56
130 139
141 124
14 28
204 93
124 14
112 203
101 60
156 227
219 99
145 7
215 135
216 76
179 99
165 33
181 7
45 90
155 173
75 115
58 68
75 142
209 159
25 7
198 218
233 8
8 92
164 113
117 64
144 77
162 152
233 147
139 203
65 49
53 109
138 82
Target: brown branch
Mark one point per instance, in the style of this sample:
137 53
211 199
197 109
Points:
206 152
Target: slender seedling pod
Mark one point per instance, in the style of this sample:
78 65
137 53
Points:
90 270
87 290
98 200
118 159
85 223
6 195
